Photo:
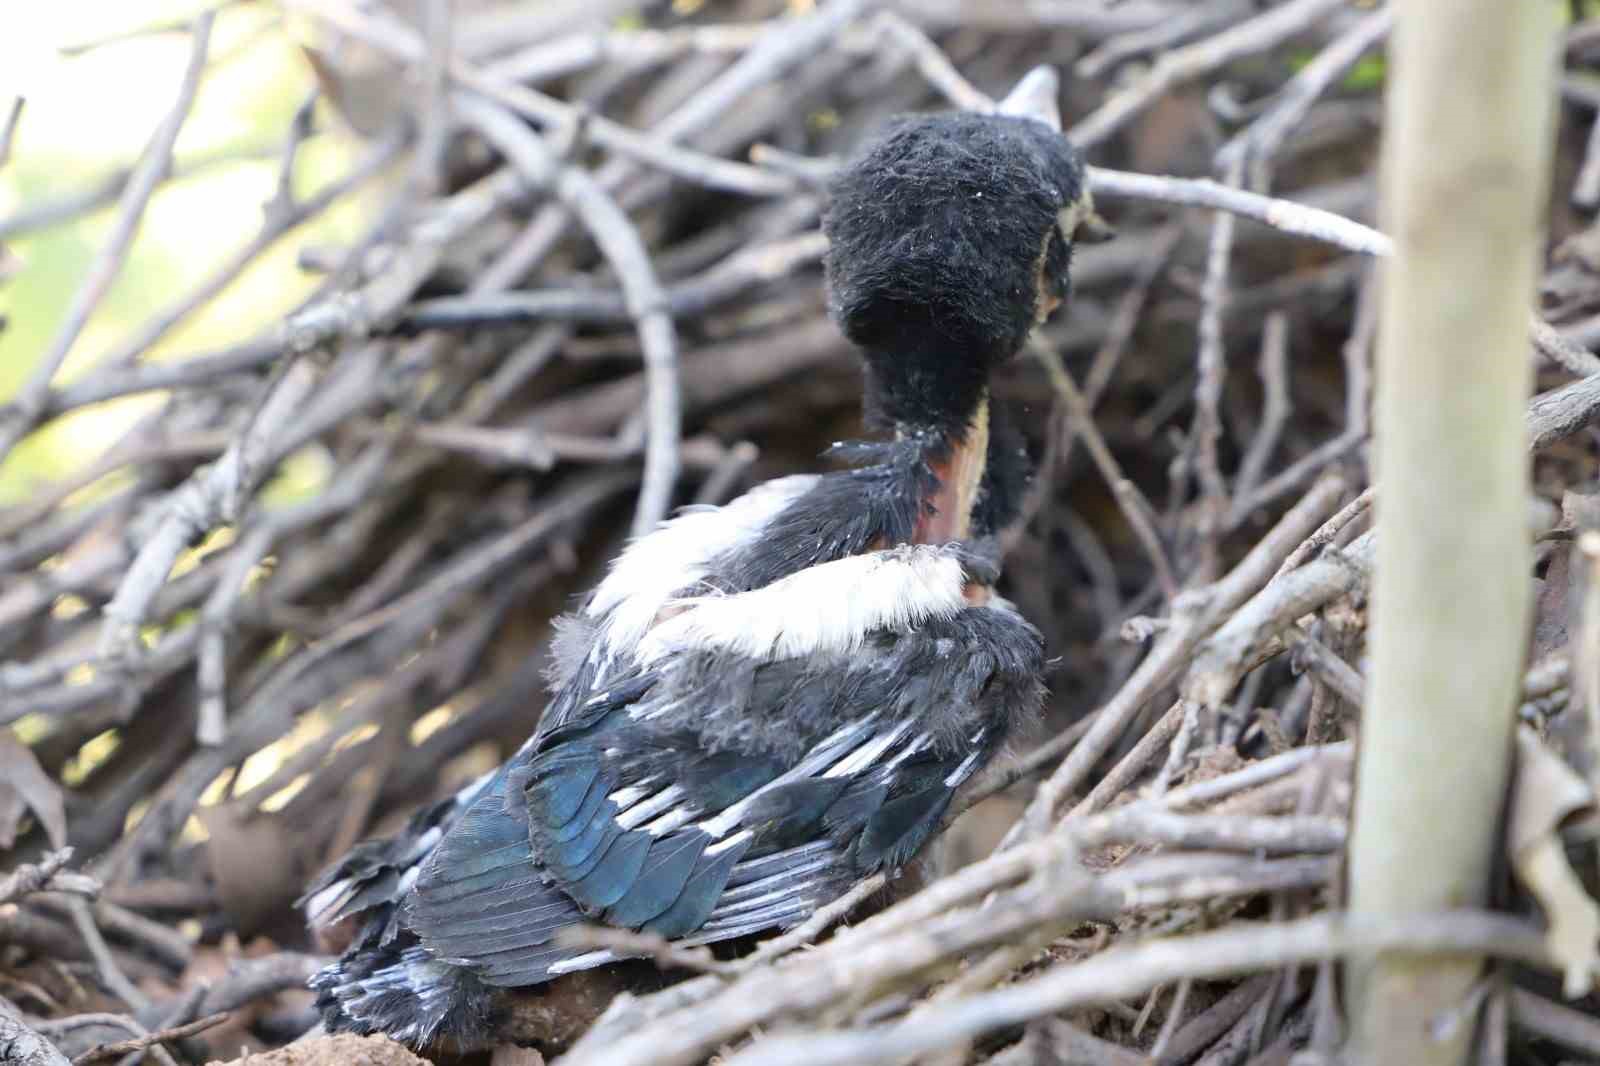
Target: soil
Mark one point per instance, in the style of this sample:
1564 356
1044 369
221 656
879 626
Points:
341 1050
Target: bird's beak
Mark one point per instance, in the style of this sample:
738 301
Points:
1035 97
1082 224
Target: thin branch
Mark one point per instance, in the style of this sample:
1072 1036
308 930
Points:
1164 662
1276 407
8 128
48 875
1125 971
1250 37
619 241
1257 144
21 1045
1129 499
139 1043
23 412
655 150
1212 369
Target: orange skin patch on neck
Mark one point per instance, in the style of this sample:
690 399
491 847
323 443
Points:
946 515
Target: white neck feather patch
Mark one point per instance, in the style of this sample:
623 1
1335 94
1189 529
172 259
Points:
827 608
676 555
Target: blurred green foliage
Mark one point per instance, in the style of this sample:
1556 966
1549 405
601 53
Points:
88 115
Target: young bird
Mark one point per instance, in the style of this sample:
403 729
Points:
764 702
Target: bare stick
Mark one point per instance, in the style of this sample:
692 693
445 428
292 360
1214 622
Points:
48 875
823 918
110 972
1276 408
139 1043
21 1045
620 243
8 128
1570 1028
1279 214
18 417
1250 37
655 150
1212 367
1167 659
1122 972
932 63
1259 142
1131 501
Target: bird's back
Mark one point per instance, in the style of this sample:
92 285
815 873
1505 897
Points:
760 704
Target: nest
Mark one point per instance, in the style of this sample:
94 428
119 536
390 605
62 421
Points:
591 293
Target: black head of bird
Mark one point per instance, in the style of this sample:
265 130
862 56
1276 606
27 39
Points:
950 239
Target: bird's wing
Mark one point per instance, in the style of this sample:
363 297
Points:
735 775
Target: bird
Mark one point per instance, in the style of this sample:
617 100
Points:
762 703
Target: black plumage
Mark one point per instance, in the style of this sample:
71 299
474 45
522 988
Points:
940 234
765 702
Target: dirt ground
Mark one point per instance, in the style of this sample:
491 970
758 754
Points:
342 1050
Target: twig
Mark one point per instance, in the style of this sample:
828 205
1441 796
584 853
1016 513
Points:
934 66
1570 1028
728 280
1356 354
1180 748
275 226
8 128
1284 215
1276 408
1329 668
823 918
1171 1023
1564 353
251 979
1586 186
435 107
19 1044
1258 143
110 972
1212 370
1238 643
21 414
1121 972
1252 36
1128 768
139 1043
628 944
623 249
50 211
655 150
216 493
1135 508
110 1021
49 875
1167 659
1185 24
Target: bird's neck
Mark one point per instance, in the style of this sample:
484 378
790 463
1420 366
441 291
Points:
934 396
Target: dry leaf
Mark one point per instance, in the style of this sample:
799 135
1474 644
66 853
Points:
253 862
1547 792
367 92
24 786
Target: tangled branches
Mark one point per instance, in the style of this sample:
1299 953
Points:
588 293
